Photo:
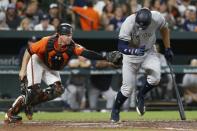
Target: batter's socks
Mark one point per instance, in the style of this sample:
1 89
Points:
120 99
147 87
140 98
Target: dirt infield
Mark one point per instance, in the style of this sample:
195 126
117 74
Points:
86 126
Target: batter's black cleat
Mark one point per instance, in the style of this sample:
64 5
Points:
115 117
140 108
12 119
29 112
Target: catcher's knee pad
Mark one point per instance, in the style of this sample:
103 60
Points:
53 91
37 95
32 94
58 88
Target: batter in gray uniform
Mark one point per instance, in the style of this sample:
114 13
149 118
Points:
136 39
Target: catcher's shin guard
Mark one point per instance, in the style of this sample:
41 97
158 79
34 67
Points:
11 115
55 90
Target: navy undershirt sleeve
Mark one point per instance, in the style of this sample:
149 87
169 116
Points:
123 47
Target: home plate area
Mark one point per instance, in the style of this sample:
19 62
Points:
90 125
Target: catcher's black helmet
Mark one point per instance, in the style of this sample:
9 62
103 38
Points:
143 18
64 29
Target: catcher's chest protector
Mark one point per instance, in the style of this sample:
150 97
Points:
56 59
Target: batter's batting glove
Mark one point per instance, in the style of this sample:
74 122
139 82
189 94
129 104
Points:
169 54
138 51
114 57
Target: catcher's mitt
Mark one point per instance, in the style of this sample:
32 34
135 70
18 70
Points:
114 57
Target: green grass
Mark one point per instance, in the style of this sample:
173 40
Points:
97 116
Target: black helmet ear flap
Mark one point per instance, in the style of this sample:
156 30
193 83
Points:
143 18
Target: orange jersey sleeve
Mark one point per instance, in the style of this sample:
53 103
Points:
39 47
78 49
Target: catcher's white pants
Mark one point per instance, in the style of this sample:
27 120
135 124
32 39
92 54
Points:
40 72
151 65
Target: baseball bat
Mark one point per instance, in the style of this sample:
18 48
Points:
179 101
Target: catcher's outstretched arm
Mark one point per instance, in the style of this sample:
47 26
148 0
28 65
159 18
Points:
113 56
92 55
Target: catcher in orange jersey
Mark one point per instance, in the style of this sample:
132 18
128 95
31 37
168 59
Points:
42 61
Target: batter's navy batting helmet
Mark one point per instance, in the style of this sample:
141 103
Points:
64 29
143 18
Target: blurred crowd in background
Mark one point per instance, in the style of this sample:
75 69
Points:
87 15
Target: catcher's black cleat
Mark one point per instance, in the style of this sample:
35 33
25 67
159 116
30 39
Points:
115 117
29 112
140 108
12 119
